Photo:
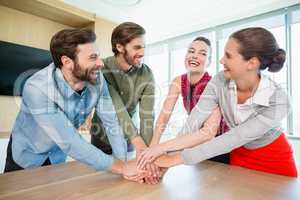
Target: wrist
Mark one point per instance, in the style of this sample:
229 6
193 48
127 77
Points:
164 147
118 167
177 159
138 143
153 142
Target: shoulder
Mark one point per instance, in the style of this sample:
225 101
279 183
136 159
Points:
176 84
108 60
41 80
146 73
178 79
146 69
39 92
279 95
219 80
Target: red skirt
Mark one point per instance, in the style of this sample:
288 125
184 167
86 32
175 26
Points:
276 158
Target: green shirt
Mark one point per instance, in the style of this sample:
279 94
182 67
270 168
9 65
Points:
128 90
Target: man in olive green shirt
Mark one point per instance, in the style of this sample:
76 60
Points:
131 86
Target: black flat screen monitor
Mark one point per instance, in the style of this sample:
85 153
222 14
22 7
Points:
17 64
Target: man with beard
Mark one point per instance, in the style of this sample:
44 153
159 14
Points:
56 101
131 85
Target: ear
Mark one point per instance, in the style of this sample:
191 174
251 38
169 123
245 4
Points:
67 62
120 48
253 63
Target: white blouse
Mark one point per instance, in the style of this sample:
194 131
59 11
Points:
261 97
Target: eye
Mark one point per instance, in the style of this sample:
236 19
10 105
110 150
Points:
93 57
227 55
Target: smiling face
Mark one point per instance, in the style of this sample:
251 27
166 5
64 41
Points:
134 51
87 63
235 66
197 57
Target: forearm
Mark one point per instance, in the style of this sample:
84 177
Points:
70 142
138 143
206 133
185 141
169 160
117 167
159 128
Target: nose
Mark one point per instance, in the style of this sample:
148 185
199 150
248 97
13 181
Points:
141 52
100 63
222 60
195 56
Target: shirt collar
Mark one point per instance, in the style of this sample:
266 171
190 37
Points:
264 91
115 66
64 86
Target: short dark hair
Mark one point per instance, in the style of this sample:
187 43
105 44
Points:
124 33
259 42
203 39
65 42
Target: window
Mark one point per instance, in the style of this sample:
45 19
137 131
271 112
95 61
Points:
158 60
276 22
295 71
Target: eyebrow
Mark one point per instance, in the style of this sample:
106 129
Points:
139 46
202 50
94 55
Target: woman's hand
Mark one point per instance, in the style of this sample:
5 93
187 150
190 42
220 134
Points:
166 161
153 174
149 155
131 172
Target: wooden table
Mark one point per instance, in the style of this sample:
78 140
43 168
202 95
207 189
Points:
208 180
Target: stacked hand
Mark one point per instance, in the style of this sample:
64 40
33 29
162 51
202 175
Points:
131 172
149 155
144 170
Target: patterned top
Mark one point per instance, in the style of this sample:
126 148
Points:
191 94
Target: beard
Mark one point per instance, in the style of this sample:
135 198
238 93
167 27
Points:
84 74
130 60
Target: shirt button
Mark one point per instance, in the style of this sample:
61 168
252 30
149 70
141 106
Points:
82 112
122 92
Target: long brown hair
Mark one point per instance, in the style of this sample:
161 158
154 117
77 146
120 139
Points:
259 42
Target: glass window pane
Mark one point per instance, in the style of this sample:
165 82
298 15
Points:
295 55
281 76
177 63
221 44
157 59
296 16
269 23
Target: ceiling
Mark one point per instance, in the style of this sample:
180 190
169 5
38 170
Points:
164 19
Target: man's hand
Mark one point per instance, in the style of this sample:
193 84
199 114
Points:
130 172
153 174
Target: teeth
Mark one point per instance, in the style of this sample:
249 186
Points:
194 63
